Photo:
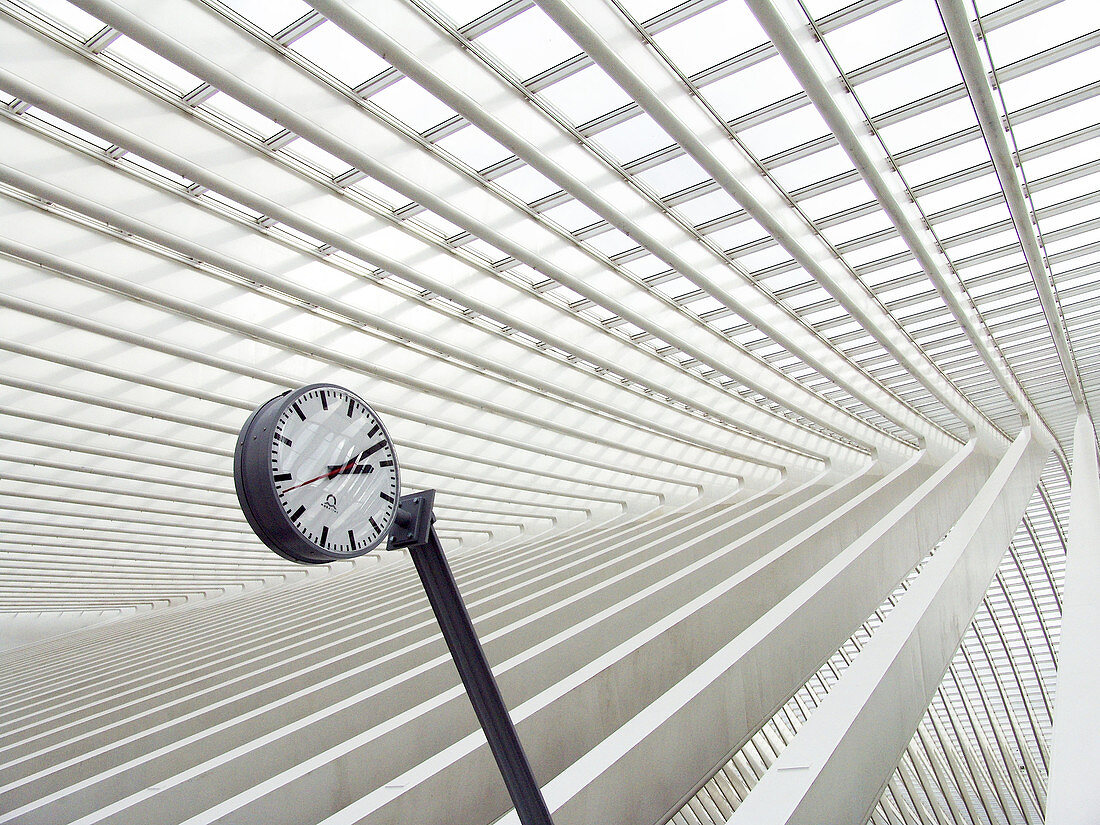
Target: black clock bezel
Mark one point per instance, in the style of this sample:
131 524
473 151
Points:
255 483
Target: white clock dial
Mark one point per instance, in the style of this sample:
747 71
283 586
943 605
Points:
334 470
317 475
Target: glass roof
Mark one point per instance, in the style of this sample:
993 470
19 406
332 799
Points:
579 267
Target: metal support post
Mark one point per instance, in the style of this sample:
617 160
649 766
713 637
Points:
415 532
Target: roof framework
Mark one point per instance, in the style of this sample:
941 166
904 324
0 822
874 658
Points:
585 259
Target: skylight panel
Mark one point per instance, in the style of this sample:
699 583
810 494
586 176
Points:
676 287
837 200
645 266
317 156
928 126
1049 81
463 12
764 258
270 15
152 64
611 242
412 105
888 246
585 95
673 175
963 192
1038 166
72 18
944 162
339 54
241 115
1057 123
752 88
816 167
633 138
379 191
910 83
526 184
742 232
702 209
473 147
1042 30
710 37
529 43
783 132
68 128
888 30
857 227
571 215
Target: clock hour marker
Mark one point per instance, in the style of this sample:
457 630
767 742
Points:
387 497
324 535
324 400
373 430
351 536
283 477
371 450
351 407
297 513
374 524
298 410
283 438
387 463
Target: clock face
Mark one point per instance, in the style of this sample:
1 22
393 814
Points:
317 475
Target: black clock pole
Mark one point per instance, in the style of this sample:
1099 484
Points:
414 532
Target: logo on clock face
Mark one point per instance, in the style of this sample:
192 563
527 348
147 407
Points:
330 503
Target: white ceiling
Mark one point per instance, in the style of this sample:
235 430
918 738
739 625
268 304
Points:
579 264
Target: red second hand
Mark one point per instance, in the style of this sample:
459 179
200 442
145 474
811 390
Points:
329 474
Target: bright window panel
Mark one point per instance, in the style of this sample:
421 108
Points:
1057 123
707 207
236 112
585 95
412 105
1051 81
63 126
886 31
752 88
934 202
317 156
710 37
783 132
571 215
741 233
270 15
526 184
942 163
528 43
473 147
645 266
998 211
461 12
81 23
909 83
763 259
152 64
676 287
1068 158
837 200
633 139
857 228
673 175
611 242
928 126
1042 30
339 54
379 191
811 169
